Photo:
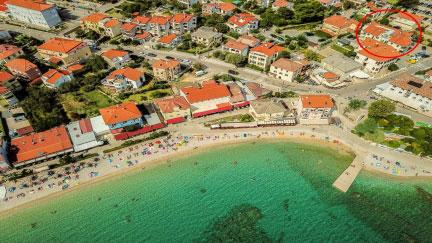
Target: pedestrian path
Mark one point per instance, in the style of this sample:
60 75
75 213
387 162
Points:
345 180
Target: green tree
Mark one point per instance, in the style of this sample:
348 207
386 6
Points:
393 67
235 59
381 109
95 63
356 104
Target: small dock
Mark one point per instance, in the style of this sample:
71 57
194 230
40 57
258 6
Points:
345 180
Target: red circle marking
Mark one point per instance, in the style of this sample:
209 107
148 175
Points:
392 11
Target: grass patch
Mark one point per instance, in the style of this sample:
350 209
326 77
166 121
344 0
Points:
84 104
235 118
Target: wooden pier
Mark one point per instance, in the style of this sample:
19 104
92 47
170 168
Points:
345 180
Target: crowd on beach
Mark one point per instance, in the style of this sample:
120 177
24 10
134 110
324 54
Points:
62 178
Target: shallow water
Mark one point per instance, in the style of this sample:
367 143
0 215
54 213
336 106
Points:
288 183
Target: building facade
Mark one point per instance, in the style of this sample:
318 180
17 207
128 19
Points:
37 13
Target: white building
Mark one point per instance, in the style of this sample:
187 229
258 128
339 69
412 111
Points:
408 90
124 78
263 55
314 109
236 47
373 63
35 13
54 78
82 135
242 23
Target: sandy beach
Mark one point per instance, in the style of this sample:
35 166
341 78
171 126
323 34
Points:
161 151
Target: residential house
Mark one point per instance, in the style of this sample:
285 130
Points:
82 135
263 3
112 27
9 52
124 78
129 30
372 62
166 70
406 22
102 24
236 47
174 109
143 37
38 13
286 69
23 68
328 3
9 84
142 22
337 25
182 23
159 25
243 23
207 99
116 58
270 112
65 50
282 4
54 78
17 122
122 115
169 41
249 40
400 40
38 147
314 109
408 90
207 36
221 8
263 55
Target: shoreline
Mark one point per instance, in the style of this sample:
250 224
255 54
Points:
196 144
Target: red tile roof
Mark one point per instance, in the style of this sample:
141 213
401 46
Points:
413 84
268 49
60 45
242 19
29 4
181 18
111 54
167 39
129 26
287 64
378 48
404 16
53 75
143 35
340 22
316 101
85 125
235 45
249 40
401 38
126 72
141 19
5 77
160 20
329 76
7 50
171 104
20 65
120 113
280 4
208 91
40 144
112 23
165 64
95 17
75 68
226 7
376 29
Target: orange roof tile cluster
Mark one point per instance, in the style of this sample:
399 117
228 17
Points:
60 45
143 35
401 38
129 26
280 4
159 20
141 19
268 49
165 64
40 144
20 65
429 73
7 50
406 17
120 113
172 103
378 48
181 18
75 68
209 90
235 45
340 22
329 76
53 75
414 85
167 39
5 77
287 64
372 6
112 53
126 72
376 29
112 23
30 4
226 7
249 40
316 101
95 17
242 19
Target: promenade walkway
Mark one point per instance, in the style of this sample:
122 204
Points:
345 180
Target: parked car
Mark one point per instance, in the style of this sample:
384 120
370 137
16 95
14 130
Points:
200 73
151 54
169 57
233 72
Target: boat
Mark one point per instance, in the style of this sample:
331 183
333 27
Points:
2 192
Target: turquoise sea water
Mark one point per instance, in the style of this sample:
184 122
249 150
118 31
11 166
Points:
289 183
